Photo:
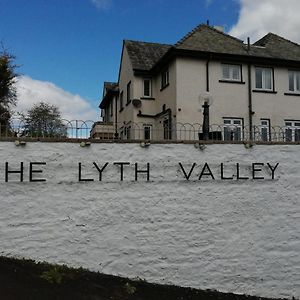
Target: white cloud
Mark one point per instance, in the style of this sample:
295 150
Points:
102 4
72 107
258 17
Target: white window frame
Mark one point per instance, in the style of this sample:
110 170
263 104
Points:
234 128
294 74
292 130
231 68
265 130
150 87
263 80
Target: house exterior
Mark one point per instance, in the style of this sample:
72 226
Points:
252 91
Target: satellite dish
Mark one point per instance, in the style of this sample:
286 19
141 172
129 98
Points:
137 103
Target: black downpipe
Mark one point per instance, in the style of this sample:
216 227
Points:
250 102
116 117
250 108
207 75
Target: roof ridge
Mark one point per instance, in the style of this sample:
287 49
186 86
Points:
152 43
189 34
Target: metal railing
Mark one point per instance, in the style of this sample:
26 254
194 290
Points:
78 129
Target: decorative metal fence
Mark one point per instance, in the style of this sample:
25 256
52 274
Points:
78 129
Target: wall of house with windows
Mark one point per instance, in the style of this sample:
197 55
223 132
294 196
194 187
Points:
272 96
157 94
229 94
126 89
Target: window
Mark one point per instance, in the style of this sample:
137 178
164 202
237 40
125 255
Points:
111 108
265 130
121 101
292 131
147 87
167 129
231 72
128 92
294 81
164 79
127 132
233 128
264 78
147 131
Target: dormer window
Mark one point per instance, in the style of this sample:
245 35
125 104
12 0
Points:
231 72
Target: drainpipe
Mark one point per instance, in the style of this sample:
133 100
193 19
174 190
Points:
250 95
116 117
207 75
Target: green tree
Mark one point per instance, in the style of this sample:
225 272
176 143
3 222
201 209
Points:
8 93
44 120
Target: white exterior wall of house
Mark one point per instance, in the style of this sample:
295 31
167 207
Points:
126 75
187 81
278 107
166 96
230 100
191 81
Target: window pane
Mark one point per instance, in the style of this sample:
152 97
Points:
227 134
288 135
227 122
297 135
237 122
268 79
147 132
226 74
298 81
264 134
291 81
235 72
237 134
146 87
258 78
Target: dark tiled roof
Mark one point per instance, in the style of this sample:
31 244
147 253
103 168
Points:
204 38
207 39
108 86
275 46
109 89
143 55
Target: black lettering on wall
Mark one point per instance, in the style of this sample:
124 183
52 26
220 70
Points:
21 172
187 176
222 174
80 176
238 176
206 173
273 169
147 171
255 168
121 164
100 170
31 171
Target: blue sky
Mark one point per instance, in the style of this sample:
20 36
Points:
75 45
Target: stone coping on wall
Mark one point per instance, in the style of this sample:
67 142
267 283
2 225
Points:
115 141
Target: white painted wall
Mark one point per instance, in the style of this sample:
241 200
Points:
241 237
